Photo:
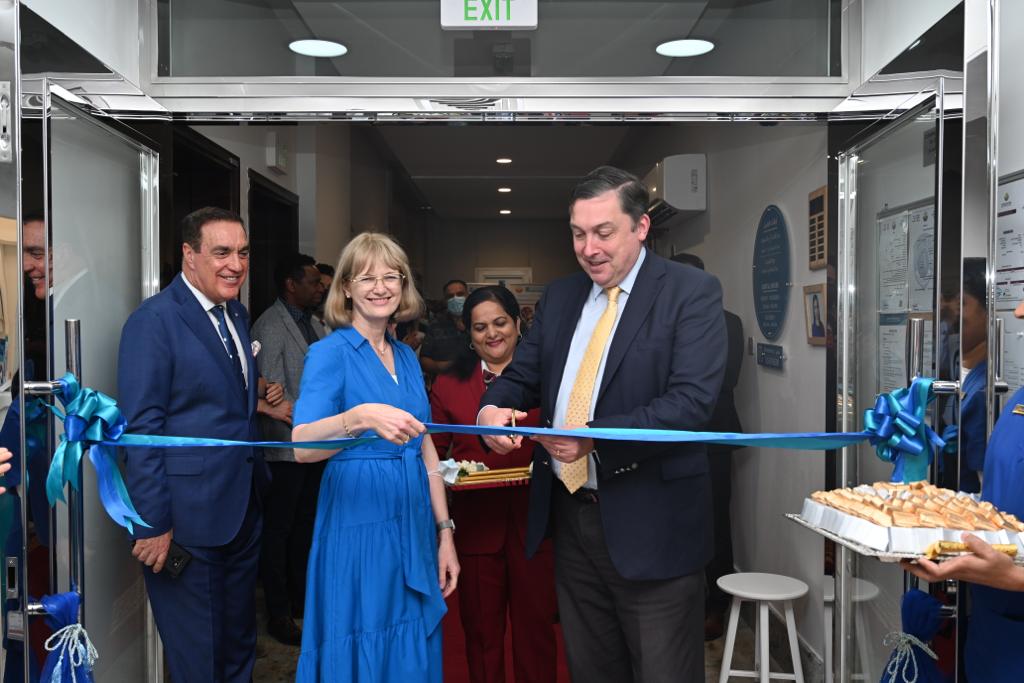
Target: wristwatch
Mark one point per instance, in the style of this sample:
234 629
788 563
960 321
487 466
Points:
446 524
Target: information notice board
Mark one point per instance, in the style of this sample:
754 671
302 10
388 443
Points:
906 287
1009 277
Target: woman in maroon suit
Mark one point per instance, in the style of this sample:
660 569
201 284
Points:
496 579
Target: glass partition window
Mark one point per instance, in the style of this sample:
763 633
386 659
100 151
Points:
891 278
382 38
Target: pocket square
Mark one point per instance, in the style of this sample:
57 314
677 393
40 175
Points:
256 346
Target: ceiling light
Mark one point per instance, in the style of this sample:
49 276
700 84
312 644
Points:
687 47
317 48
504 189
503 160
505 212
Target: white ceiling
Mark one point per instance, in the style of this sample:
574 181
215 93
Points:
454 166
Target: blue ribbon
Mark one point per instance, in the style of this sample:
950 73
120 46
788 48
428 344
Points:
899 432
92 421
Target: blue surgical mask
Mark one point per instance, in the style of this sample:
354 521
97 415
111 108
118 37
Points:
455 305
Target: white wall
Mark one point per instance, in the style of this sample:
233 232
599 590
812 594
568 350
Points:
250 144
323 172
455 249
750 167
106 29
1011 88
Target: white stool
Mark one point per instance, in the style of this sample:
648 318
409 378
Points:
863 591
761 589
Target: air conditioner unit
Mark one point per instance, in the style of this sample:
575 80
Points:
678 189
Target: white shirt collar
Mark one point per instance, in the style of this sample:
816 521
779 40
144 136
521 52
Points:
204 301
627 282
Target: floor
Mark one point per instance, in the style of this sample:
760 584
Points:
277 665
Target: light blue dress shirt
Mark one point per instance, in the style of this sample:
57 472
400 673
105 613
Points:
596 302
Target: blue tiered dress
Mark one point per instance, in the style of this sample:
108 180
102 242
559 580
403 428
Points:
373 605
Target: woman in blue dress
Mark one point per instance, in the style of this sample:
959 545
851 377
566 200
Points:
383 556
995 630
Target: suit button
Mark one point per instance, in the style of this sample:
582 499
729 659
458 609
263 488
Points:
634 466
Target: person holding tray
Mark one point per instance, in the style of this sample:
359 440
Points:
996 628
497 579
377 573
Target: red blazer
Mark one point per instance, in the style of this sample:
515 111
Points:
483 517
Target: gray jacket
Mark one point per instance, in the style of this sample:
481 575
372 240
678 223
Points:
281 359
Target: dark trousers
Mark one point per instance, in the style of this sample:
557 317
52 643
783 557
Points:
720 463
207 616
289 515
494 585
617 630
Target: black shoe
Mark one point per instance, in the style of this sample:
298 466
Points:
713 625
285 630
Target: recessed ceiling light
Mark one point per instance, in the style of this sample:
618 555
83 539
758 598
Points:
687 47
317 48
503 160
504 189
505 212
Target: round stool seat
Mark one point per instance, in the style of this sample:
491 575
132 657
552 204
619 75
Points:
756 586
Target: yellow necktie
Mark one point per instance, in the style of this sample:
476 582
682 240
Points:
574 474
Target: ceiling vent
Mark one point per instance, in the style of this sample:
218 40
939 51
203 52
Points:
466 103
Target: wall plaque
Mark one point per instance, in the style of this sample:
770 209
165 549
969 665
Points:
771 272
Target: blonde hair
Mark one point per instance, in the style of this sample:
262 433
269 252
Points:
363 251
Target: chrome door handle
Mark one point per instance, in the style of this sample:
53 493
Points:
999 386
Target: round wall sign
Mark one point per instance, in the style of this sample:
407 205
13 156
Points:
771 272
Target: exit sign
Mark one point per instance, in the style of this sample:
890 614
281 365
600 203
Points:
476 15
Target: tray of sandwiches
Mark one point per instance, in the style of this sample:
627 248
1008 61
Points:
894 522
476 475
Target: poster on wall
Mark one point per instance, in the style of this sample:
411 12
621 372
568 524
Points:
921 258
893 286
1013 350
892 352
1009 285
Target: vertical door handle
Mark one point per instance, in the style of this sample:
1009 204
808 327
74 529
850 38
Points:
999 386
915 361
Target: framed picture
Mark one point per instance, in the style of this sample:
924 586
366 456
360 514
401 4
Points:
814 314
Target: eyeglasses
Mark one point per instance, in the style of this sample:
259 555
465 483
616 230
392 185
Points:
390 280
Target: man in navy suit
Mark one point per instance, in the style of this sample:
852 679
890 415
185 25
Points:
630 544
186 368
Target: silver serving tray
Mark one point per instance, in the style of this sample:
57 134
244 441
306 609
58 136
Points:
881 555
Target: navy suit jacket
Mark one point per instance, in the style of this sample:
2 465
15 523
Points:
665 365
175 378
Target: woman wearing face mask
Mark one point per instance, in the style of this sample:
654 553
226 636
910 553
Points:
496 578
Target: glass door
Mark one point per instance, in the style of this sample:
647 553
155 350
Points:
89 257
898 255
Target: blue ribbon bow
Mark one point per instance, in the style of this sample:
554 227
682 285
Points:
91 421
899 433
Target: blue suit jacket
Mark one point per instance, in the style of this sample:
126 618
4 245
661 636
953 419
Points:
175 378
665 365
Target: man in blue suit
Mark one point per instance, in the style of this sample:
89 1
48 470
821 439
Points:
633 341
186 368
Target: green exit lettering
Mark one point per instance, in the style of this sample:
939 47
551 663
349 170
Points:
487 10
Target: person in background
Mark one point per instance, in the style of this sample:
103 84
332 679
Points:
632 341
285 332
446 336
326 278
723 419
995 629
971 422
383 556
498 582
